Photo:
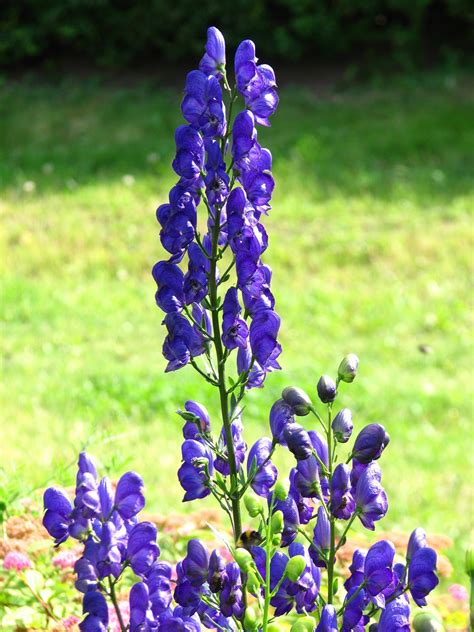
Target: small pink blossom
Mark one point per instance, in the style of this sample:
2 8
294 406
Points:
70 622
65 559
124 607
458 592
16 561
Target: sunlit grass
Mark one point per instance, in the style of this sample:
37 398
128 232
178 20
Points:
371 247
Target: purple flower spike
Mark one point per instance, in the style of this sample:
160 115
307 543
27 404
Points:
259 454
95 607
328 622
422 578
213 61
378 570
129 499
395 617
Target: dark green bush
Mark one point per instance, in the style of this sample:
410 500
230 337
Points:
120 33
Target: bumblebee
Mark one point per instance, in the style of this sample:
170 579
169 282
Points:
249 538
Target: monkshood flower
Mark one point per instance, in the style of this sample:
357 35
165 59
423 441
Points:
129 498
321 539
328 621
182 343
179 622
246 364
194 473
422 578
255 83
301 593
378 571
370 497
370 443
298 441
297 400
170 281
213 60
212 619
348 368
95 608
281 415
231 597
310 479
195 282
178 221
195 565
87 577
158 581
142 549
291 518
189 160
141 616
342 425
215 575
342 503
259 461
395 617
326 389
263 338
357 570
221 463
217 179
197 420
58 519
355 603
202 105
304 505
87 497
417 541
234 329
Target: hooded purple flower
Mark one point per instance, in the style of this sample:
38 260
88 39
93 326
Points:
266 477
86 575
87 497
291 518
182 342
213 60
255 83
57 517
395 617
189 159
197 420
309 478
422 578
158 581
234 329
217 179
298 441
370 497
246 363
326 389
221 463
129 499
215 576
169 279
195 283
370 443
280 416
196 563
178 221
304 505
95 607
378 570
202 105
231 596
321 539
357 570
355 603
417 541
192 474
328 622
141 616
142 550
342 502
263 337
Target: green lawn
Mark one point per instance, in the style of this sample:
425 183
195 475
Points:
371 247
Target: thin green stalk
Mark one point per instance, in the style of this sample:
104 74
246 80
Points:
113 598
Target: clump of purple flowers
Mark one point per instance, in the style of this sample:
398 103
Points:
215 291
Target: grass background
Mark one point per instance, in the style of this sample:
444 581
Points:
371 247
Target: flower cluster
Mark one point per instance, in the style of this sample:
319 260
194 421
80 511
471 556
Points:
235 195
281 566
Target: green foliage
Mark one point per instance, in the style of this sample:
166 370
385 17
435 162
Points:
118 33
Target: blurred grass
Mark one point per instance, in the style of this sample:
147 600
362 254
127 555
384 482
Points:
371 247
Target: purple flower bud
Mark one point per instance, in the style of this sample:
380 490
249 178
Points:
86 575
281 415
342 425
196 563
348 368
201 421
328 622
395 617
422 577
213 61
327 389
370 443
298 441
297 400
321 538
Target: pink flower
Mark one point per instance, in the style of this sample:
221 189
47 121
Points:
65 559
70 622
16 561
124 607
458 592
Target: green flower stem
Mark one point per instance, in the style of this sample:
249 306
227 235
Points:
113 598
268 547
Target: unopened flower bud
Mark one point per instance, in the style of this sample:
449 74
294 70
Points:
306 624
277 522
254 504
370 443
282 489
297 399
298 441
295 567
342 425
250 620
253 584
276 539
348 368
273 627
427 622
470 561
243 559
327 389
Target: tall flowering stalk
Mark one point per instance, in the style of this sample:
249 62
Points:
214 289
